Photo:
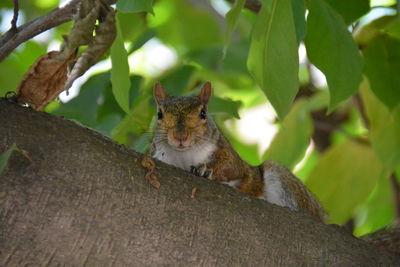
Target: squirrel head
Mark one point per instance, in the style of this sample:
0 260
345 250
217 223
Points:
182 120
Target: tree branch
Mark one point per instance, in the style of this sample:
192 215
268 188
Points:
13 38
83 200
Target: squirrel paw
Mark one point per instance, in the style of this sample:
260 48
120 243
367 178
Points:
201 170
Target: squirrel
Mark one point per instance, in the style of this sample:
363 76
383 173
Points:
188 138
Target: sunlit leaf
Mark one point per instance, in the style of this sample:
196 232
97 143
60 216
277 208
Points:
382 67
373 29
184 25
384 129
120 71
295 132
5 156
273 57
232 18
344 178
332 49
294 136
378 211
350 10
307 165
135 6
46 3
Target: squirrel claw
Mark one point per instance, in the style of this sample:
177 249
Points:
202 171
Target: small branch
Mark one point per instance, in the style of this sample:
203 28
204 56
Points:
11 39
396 194
330 127
253 5
15 17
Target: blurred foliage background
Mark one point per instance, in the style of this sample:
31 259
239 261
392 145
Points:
338 130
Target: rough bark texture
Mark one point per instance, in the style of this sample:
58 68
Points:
83 200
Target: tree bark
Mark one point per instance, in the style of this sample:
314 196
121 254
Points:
78 199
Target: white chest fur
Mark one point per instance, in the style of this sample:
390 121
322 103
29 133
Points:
185 159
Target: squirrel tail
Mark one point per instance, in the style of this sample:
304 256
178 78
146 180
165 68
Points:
283 188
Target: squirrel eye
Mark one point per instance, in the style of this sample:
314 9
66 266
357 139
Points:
203 114
160 115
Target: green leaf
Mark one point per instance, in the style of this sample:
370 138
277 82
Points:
135 122
295 133
109 105
273 57
120 71
135 6
17 63
382 67
84 107
368 32
178 79
232 18
299 16
378 211
331 48
384 129
142 39
344 178
106 124
293 136
185 26
227 106
350 10
394 29
5 156
130 32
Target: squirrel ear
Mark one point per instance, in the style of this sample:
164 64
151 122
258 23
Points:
160 94
205 93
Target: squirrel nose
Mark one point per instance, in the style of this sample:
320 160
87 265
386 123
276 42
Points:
181 136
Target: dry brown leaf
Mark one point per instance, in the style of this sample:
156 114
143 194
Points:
50 74
150 176
101 42
44 80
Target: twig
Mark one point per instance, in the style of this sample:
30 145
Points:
253 5
11 39
15 17
329 127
